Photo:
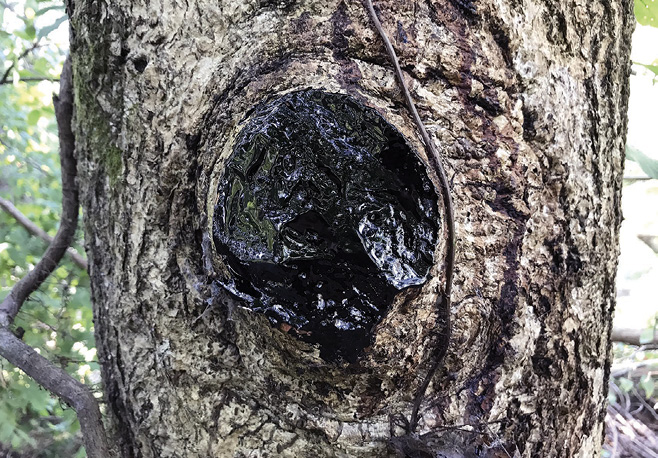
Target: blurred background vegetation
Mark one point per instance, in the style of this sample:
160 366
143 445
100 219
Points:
57 320
632 421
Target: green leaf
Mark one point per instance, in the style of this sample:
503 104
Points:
646 336
45 31
626 385
22 34
651 67
612 397
646 12
7 425
648 385
30 31
648 165
33 117
21 438
42 67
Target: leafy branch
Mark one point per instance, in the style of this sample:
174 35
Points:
12 347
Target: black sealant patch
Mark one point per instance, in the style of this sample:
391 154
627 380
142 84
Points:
324 214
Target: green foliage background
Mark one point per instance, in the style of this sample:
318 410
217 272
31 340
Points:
57 319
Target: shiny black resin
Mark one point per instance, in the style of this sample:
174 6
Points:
324 214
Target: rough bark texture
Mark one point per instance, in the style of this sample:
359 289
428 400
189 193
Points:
526 100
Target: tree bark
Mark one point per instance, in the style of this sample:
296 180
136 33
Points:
526 101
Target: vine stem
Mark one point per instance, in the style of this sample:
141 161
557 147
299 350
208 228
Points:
434 159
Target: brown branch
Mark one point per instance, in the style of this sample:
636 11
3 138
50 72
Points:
12 348
434 158
63 385
631 336
32 79
69 219
36 231
636 178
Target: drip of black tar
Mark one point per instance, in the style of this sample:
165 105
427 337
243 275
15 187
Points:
324 214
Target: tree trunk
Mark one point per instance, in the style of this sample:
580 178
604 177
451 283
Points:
526 102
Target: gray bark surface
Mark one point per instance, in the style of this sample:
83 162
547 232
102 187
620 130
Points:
526 100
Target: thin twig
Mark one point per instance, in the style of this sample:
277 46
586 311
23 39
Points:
619 371
5 77
36 231
465 427
33 79
642 440
637 178
648 406
21 355
434 158
499 440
